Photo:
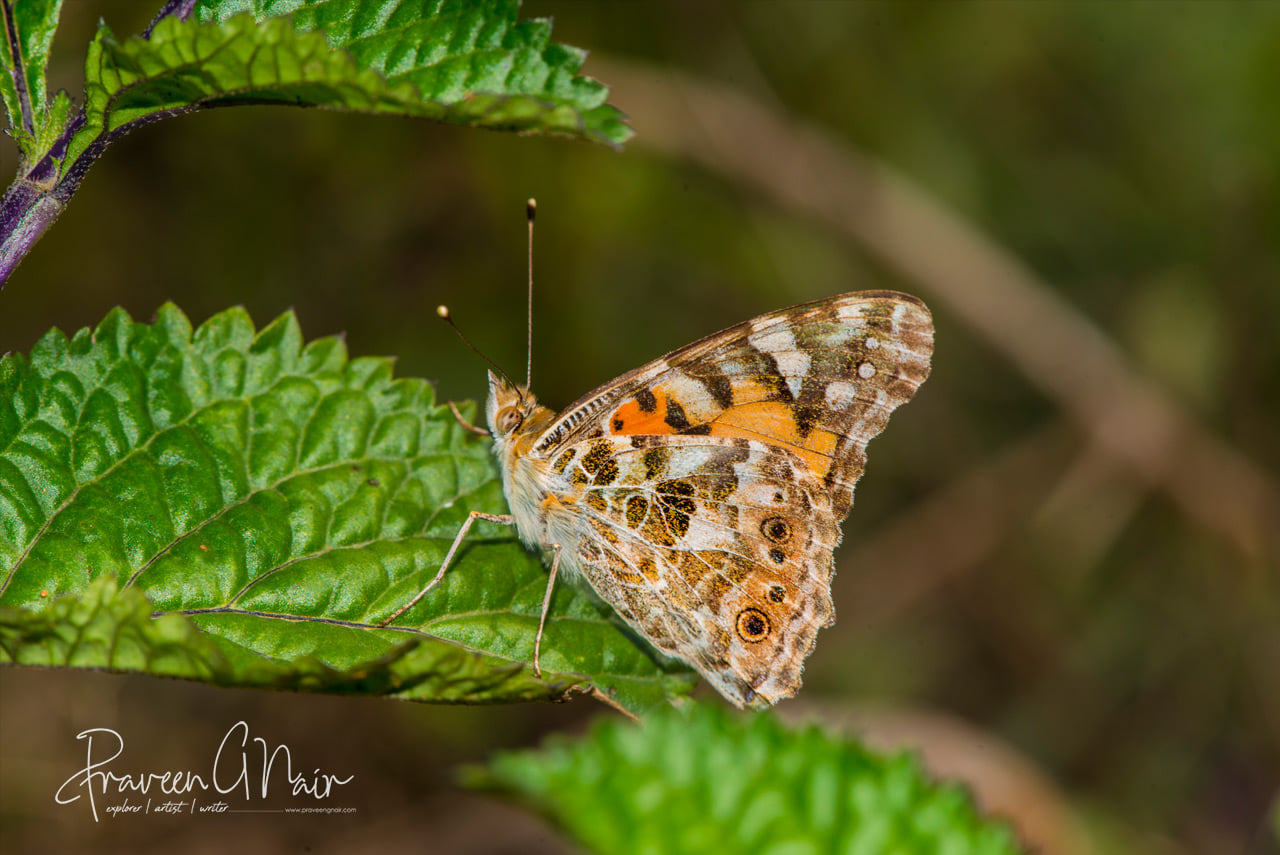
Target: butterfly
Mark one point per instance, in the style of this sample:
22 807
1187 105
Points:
701 495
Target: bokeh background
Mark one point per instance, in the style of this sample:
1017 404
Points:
1059 580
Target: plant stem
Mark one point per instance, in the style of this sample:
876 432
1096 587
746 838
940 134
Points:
26 211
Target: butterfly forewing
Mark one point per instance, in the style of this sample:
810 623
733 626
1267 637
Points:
819 380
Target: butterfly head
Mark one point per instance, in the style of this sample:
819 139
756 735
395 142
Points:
512 409
508 406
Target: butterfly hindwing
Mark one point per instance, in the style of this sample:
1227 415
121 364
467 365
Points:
717 550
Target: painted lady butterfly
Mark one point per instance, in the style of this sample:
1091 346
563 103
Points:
701 495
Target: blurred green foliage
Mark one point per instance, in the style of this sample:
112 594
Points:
1126 152
707 782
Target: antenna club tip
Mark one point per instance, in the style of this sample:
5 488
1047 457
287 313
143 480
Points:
531 207
442 311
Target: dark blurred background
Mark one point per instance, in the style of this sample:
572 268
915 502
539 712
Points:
1060 577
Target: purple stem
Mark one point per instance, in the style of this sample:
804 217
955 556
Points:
26 211
181 9
33 201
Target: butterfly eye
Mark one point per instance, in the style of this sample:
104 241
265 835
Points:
753 625
509 419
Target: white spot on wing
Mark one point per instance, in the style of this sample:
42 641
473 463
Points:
692 396
781 345
839 394
849 311
872 342
866 371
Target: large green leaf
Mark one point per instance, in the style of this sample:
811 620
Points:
449 60
715 782
283 499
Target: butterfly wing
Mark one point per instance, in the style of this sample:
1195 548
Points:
717 550
819 380
704 490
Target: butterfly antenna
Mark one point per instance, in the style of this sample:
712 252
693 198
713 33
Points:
531 208
443 312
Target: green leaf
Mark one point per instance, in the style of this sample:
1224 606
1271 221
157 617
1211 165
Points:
34 23
285 500
452 49
712 782
450 60
51 122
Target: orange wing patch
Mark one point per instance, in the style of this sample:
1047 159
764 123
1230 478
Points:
649 413
775 423
655 412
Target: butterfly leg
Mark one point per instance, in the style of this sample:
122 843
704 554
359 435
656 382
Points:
546 606
505 519
466 425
